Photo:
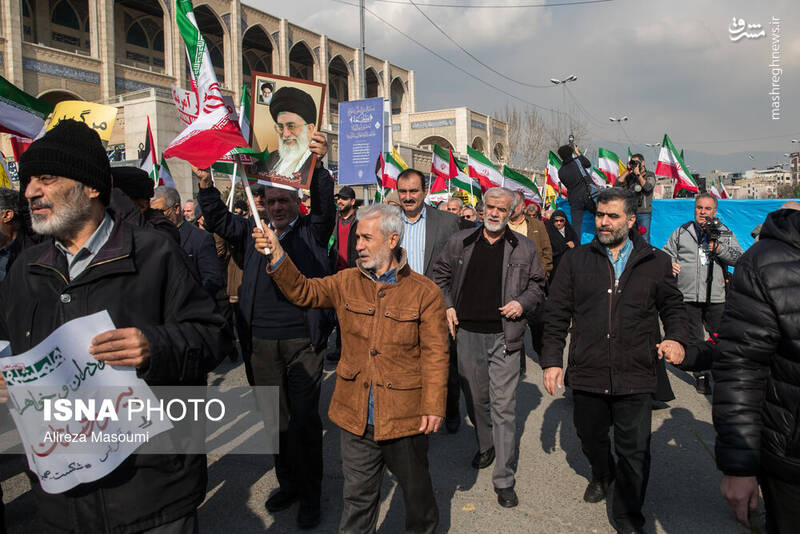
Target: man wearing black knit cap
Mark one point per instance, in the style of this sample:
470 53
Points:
167 327
295 116
130 199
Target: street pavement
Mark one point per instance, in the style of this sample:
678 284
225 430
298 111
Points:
682 497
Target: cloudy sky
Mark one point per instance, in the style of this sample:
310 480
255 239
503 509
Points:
669 66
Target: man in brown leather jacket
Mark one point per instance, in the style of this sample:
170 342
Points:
391 380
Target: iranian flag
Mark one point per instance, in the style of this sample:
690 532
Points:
671 165
483 170
519 182
551 174
390 171
19 145
609 164
164 176
464 182
149 163
722 191
714 191
443 163
213 134
20 113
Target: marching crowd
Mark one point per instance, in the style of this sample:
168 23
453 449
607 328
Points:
428 305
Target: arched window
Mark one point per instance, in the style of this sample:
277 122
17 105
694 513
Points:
158 42
136 36
64 15
216 57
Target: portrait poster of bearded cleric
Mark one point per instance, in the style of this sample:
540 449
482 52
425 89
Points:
283 126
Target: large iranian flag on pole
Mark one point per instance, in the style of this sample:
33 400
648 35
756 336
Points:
20 113
213 134
671 165
551 174
608 163
483 170
464 182
519 182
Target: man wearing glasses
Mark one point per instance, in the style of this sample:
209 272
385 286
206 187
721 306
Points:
295 116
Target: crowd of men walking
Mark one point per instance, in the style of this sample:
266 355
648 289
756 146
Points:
427 306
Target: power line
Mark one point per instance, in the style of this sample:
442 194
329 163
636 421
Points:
499 6
465 71
467 52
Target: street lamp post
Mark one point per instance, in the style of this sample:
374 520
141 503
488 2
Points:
563 84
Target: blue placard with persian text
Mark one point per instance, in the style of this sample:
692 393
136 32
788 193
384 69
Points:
360 140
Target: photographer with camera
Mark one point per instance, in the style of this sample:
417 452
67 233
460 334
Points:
575 177
641 183
701 251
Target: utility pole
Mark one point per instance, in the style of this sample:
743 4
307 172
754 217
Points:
363 77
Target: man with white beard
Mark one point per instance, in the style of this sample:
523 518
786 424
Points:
295 116
167 328
491 277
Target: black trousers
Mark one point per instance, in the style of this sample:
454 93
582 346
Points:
363 462
782 503
630 415
296 368
577 207
702 315
453 384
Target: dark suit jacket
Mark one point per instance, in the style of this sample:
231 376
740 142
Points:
200 247
439 226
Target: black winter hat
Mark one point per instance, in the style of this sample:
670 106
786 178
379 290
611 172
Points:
72 150
133 181
293 100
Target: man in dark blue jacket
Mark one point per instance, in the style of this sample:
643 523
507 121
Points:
287 341
199 245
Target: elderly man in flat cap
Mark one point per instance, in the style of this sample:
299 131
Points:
295 116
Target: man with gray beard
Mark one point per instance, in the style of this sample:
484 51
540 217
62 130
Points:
166 327
490 278
611 292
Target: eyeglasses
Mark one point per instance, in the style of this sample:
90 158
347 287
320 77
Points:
559 220
290 126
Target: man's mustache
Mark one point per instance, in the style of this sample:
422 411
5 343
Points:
40 204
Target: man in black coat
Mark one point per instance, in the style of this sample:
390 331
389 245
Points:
287 341
612 292
197 243
757 378
168 328
575 177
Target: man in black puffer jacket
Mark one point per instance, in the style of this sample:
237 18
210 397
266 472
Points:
757 374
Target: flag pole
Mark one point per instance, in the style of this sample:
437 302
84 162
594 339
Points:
251 201
233 187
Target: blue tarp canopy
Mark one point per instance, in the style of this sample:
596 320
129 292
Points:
740 215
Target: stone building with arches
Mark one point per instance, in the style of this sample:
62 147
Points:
129 53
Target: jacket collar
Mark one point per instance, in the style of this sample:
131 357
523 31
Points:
641 248
403 270
118 245
508 236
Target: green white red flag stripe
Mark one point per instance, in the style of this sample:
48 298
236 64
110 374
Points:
722 191
480 168
149 163
213 134
671 165
20 113
598 177
390 171
164 176
608 163
464 182
519 182
443 163
551 174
